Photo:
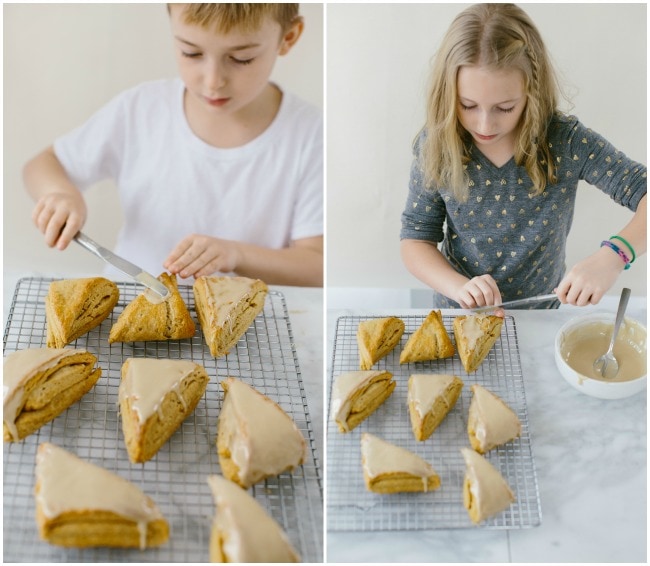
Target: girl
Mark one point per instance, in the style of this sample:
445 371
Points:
500 165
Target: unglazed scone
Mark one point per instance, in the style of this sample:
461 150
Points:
475 336
242 530
73 307
491 422
358 394
156 396
429 342
376 338
226 307
430 398
256 439
79 504
40 383
388 468
485 491
143 319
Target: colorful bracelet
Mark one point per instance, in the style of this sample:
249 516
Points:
627 244
619 251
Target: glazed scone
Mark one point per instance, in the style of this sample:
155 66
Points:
40 383
256 439
475 336
73 307
226 307
358 394
430 398
388 468
242 531
79 504
156 396
376 338
143 319
485 491
429 342
491 422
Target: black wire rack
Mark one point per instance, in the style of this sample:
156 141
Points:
350 507
176 478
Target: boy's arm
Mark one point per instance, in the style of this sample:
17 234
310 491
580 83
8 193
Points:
423 259
60 210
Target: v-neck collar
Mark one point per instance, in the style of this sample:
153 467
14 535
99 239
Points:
478 155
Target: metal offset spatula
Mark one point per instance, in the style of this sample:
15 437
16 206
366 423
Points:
157 288
516 303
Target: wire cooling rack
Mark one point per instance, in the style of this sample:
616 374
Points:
350 507
176 477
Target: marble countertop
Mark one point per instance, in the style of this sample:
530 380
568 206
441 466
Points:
591 462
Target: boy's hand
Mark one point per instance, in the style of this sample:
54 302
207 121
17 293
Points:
480 291
589 279
59 216
198 255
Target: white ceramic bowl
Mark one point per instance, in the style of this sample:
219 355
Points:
631 330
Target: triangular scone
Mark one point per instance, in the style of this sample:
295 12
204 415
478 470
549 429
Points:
242 530
357 394
475 336
226 307
490 422
430 398
156 396
79 504
429 342
73 307
485 491
376 338
256 439
143 319
392 469
40 383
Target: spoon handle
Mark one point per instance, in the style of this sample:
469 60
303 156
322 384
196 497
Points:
622 305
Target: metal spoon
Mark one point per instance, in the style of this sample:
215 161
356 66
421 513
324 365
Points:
607 364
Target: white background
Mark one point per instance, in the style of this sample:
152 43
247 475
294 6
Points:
62 62
377 64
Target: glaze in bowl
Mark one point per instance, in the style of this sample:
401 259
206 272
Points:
590 334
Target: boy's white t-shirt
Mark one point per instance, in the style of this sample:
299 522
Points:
172 184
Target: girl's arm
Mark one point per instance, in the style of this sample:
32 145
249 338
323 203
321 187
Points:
591 278
301 264
423 259
60 210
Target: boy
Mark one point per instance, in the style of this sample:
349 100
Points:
219 171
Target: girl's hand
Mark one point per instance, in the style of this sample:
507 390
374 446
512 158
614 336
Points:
198 255
59 216
479 291
589 279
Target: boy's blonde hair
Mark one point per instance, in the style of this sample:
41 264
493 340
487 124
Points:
246 17
496 36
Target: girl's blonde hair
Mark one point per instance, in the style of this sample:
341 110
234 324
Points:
496 36
247 17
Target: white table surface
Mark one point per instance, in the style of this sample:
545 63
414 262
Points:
590 456
305 307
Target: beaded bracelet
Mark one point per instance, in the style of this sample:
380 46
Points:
618 250
627 244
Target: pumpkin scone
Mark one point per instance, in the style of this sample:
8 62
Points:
358 394
491 422
73 307
80 504
40 383
242 531
429 342
430 398
388 468
475 336
376 338
485 491
144 320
